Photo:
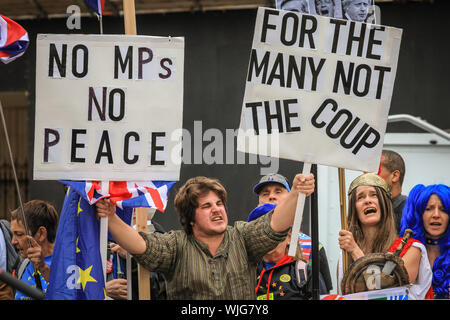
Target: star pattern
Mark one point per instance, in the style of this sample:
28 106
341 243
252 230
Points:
85 277
79 207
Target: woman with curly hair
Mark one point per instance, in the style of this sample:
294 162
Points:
426 214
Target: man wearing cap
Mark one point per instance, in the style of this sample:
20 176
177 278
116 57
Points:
208 259
272 189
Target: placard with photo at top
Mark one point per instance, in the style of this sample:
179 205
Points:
355 10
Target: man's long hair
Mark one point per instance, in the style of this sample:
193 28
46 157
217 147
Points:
186 200
413 219
386 233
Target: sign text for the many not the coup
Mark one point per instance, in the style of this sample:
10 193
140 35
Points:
321 86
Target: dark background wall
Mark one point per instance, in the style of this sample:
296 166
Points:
217 47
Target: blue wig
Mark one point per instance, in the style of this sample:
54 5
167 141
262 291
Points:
412 218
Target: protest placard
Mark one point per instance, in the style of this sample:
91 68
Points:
320 87
107 107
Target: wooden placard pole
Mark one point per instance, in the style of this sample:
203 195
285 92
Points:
143 274
129 16
344 226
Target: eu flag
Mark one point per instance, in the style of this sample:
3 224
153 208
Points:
76 272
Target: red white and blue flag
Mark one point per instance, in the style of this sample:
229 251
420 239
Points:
96 5
125 194
13 40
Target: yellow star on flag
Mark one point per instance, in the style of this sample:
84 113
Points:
85 277
79 207
76 246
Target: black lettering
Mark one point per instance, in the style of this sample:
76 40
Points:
266 25
277 115
288 115
104 143
61 62
85 55
381 79
142 61
50 143
343 126
365 91
277 70
126 147
253 65
75 145
372 41
356 137
314 122
308 32
101 110
124 64
253 106
155 148
353 38
340 75
337 28
315 71
363 141
111 104
167 69
367 138
294 29
293 69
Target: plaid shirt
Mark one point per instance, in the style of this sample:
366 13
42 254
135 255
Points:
193 273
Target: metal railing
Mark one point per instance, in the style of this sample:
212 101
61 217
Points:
419 122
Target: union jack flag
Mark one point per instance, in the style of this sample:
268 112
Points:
125 194
13 40
305 243
96 5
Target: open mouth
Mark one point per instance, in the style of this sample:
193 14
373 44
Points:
324 12
217 218
369 211
435 224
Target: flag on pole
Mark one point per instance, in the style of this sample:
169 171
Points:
77 271
124 194
96 5
13 40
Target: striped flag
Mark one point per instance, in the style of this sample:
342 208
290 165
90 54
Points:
125 194
96 5
332 297
13 40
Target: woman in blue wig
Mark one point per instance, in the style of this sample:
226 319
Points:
426 213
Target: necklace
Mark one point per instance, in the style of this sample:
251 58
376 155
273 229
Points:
433 242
